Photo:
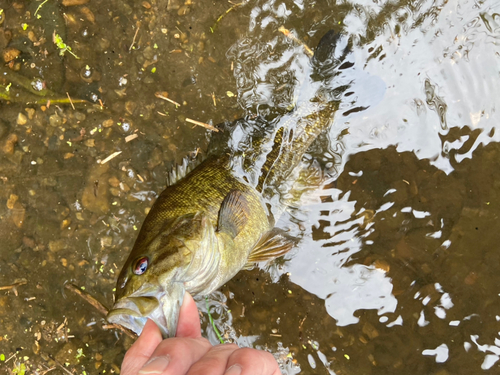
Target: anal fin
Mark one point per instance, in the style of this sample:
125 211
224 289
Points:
273 244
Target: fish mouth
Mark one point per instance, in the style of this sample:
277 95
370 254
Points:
133 313
163 308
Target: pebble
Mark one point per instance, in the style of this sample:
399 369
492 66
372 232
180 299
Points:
30 112
11 141
10 54
114 181
108 123
57 245
12 201
55 120
21 119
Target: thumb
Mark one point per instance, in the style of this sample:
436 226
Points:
141 350
189 319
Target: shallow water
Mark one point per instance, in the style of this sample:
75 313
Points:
397 267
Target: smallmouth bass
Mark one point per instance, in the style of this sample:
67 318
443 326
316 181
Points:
219 218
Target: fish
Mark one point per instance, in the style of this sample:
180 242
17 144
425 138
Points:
217 216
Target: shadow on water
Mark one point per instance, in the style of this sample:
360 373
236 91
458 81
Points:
397 267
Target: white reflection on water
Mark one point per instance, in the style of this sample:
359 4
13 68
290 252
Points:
319 267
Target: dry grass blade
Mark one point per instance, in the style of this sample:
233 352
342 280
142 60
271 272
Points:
113 155
14 285
205 125
161 95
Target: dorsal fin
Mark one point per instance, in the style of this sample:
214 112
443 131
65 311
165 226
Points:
178 171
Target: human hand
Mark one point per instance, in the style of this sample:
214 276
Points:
190 354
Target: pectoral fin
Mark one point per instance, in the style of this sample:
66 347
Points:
273 244
233 213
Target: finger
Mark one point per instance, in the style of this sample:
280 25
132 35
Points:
141 350
214 362
175 356
248 361
189 319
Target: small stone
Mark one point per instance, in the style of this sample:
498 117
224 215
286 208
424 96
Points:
30 112
124 187
64 262
21 119
106 241
108 123
90 142
87 13
32 37
57 245
10 54
65 223
11 141
114 192
55 120
12 201
68 155
80 116
114 182
146 5
98 357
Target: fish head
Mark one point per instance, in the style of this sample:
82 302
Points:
151 283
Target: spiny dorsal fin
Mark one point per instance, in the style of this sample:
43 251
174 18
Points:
273 244
179 171
233 213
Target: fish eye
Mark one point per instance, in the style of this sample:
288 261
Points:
141 266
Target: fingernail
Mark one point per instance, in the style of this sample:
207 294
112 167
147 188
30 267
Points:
155 365
233 370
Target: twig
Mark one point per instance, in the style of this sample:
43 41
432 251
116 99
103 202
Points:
161 95
12 356
123 329
13 286
100 307
212 29
113 155
71 102
61 366
87 297
207 126
289 35
130 137
48 370
133 40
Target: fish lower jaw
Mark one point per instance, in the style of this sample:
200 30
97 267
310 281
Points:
127 318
